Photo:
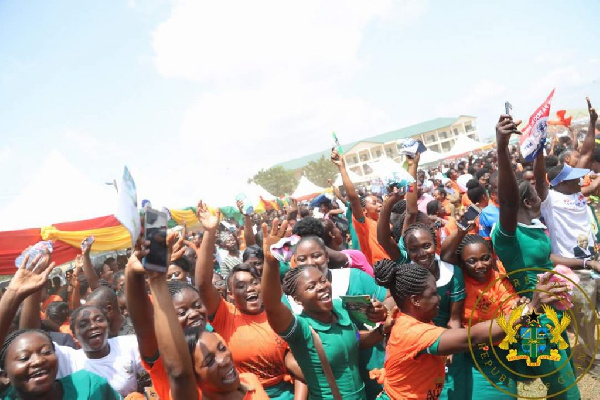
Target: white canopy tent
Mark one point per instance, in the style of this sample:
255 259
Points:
58 192
464 144
429 157
354 178
384 166
306 188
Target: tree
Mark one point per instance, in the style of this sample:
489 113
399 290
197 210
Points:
318 172
276 180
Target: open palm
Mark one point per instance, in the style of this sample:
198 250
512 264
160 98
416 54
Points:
28 280
205 217
273 237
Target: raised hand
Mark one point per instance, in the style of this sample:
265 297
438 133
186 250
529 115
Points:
271 238
30 279
410 161
208 221
592 111
506 127
86 245
336 158
134 263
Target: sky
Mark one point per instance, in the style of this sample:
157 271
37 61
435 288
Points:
196 96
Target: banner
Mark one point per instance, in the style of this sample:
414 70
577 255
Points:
533 139
127 210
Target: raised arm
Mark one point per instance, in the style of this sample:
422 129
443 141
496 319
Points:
139 306
88 269
411 197
589 143
74 285
508 190
280 317
249 238
204 264
450 245
172 346
25 286
539 172
384 233
357 210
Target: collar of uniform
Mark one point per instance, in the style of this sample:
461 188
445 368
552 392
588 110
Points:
535 224
343 319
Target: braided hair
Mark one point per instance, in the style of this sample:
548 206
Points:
419 226
176 287
403 280
290 280
471 239
11 338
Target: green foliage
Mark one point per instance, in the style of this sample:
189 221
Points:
276 180
318 172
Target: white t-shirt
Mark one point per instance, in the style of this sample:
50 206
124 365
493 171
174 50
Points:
119 367
568 221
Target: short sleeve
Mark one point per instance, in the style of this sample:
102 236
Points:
458 292
222 316
505 244
158 375
297 333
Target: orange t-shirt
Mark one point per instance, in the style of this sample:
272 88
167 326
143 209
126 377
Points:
367 237
455 187
491 298
160 382
410 373
255 347
66 328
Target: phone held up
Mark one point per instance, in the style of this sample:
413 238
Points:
470 215
155 231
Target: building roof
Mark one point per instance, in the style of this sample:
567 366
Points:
387 137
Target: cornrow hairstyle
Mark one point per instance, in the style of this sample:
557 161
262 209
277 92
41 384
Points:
399 207
403 280
11 338
176 287
79 310
363 201
251 269
290 280
308 226
524 190
471 239
419 226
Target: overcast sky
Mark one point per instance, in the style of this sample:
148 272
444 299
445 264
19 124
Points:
196 96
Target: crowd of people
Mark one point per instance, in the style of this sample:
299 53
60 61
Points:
400 296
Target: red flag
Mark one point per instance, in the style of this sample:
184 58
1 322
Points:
534 134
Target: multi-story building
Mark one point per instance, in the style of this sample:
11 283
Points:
438 135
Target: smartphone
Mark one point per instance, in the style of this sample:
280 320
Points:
87 242
337 143
155 230
472 212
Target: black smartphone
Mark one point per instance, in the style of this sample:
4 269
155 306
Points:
155 230
472 213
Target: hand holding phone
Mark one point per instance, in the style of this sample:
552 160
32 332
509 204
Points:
155 231
470 215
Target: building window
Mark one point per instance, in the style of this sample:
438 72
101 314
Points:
468 127
357 170
378 153
443 135
446 146
429 138
455 131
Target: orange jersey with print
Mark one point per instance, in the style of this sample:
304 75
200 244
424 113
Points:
367 237
492 298
160 379
410 373
255 347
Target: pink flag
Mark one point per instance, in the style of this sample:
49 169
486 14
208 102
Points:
534 134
